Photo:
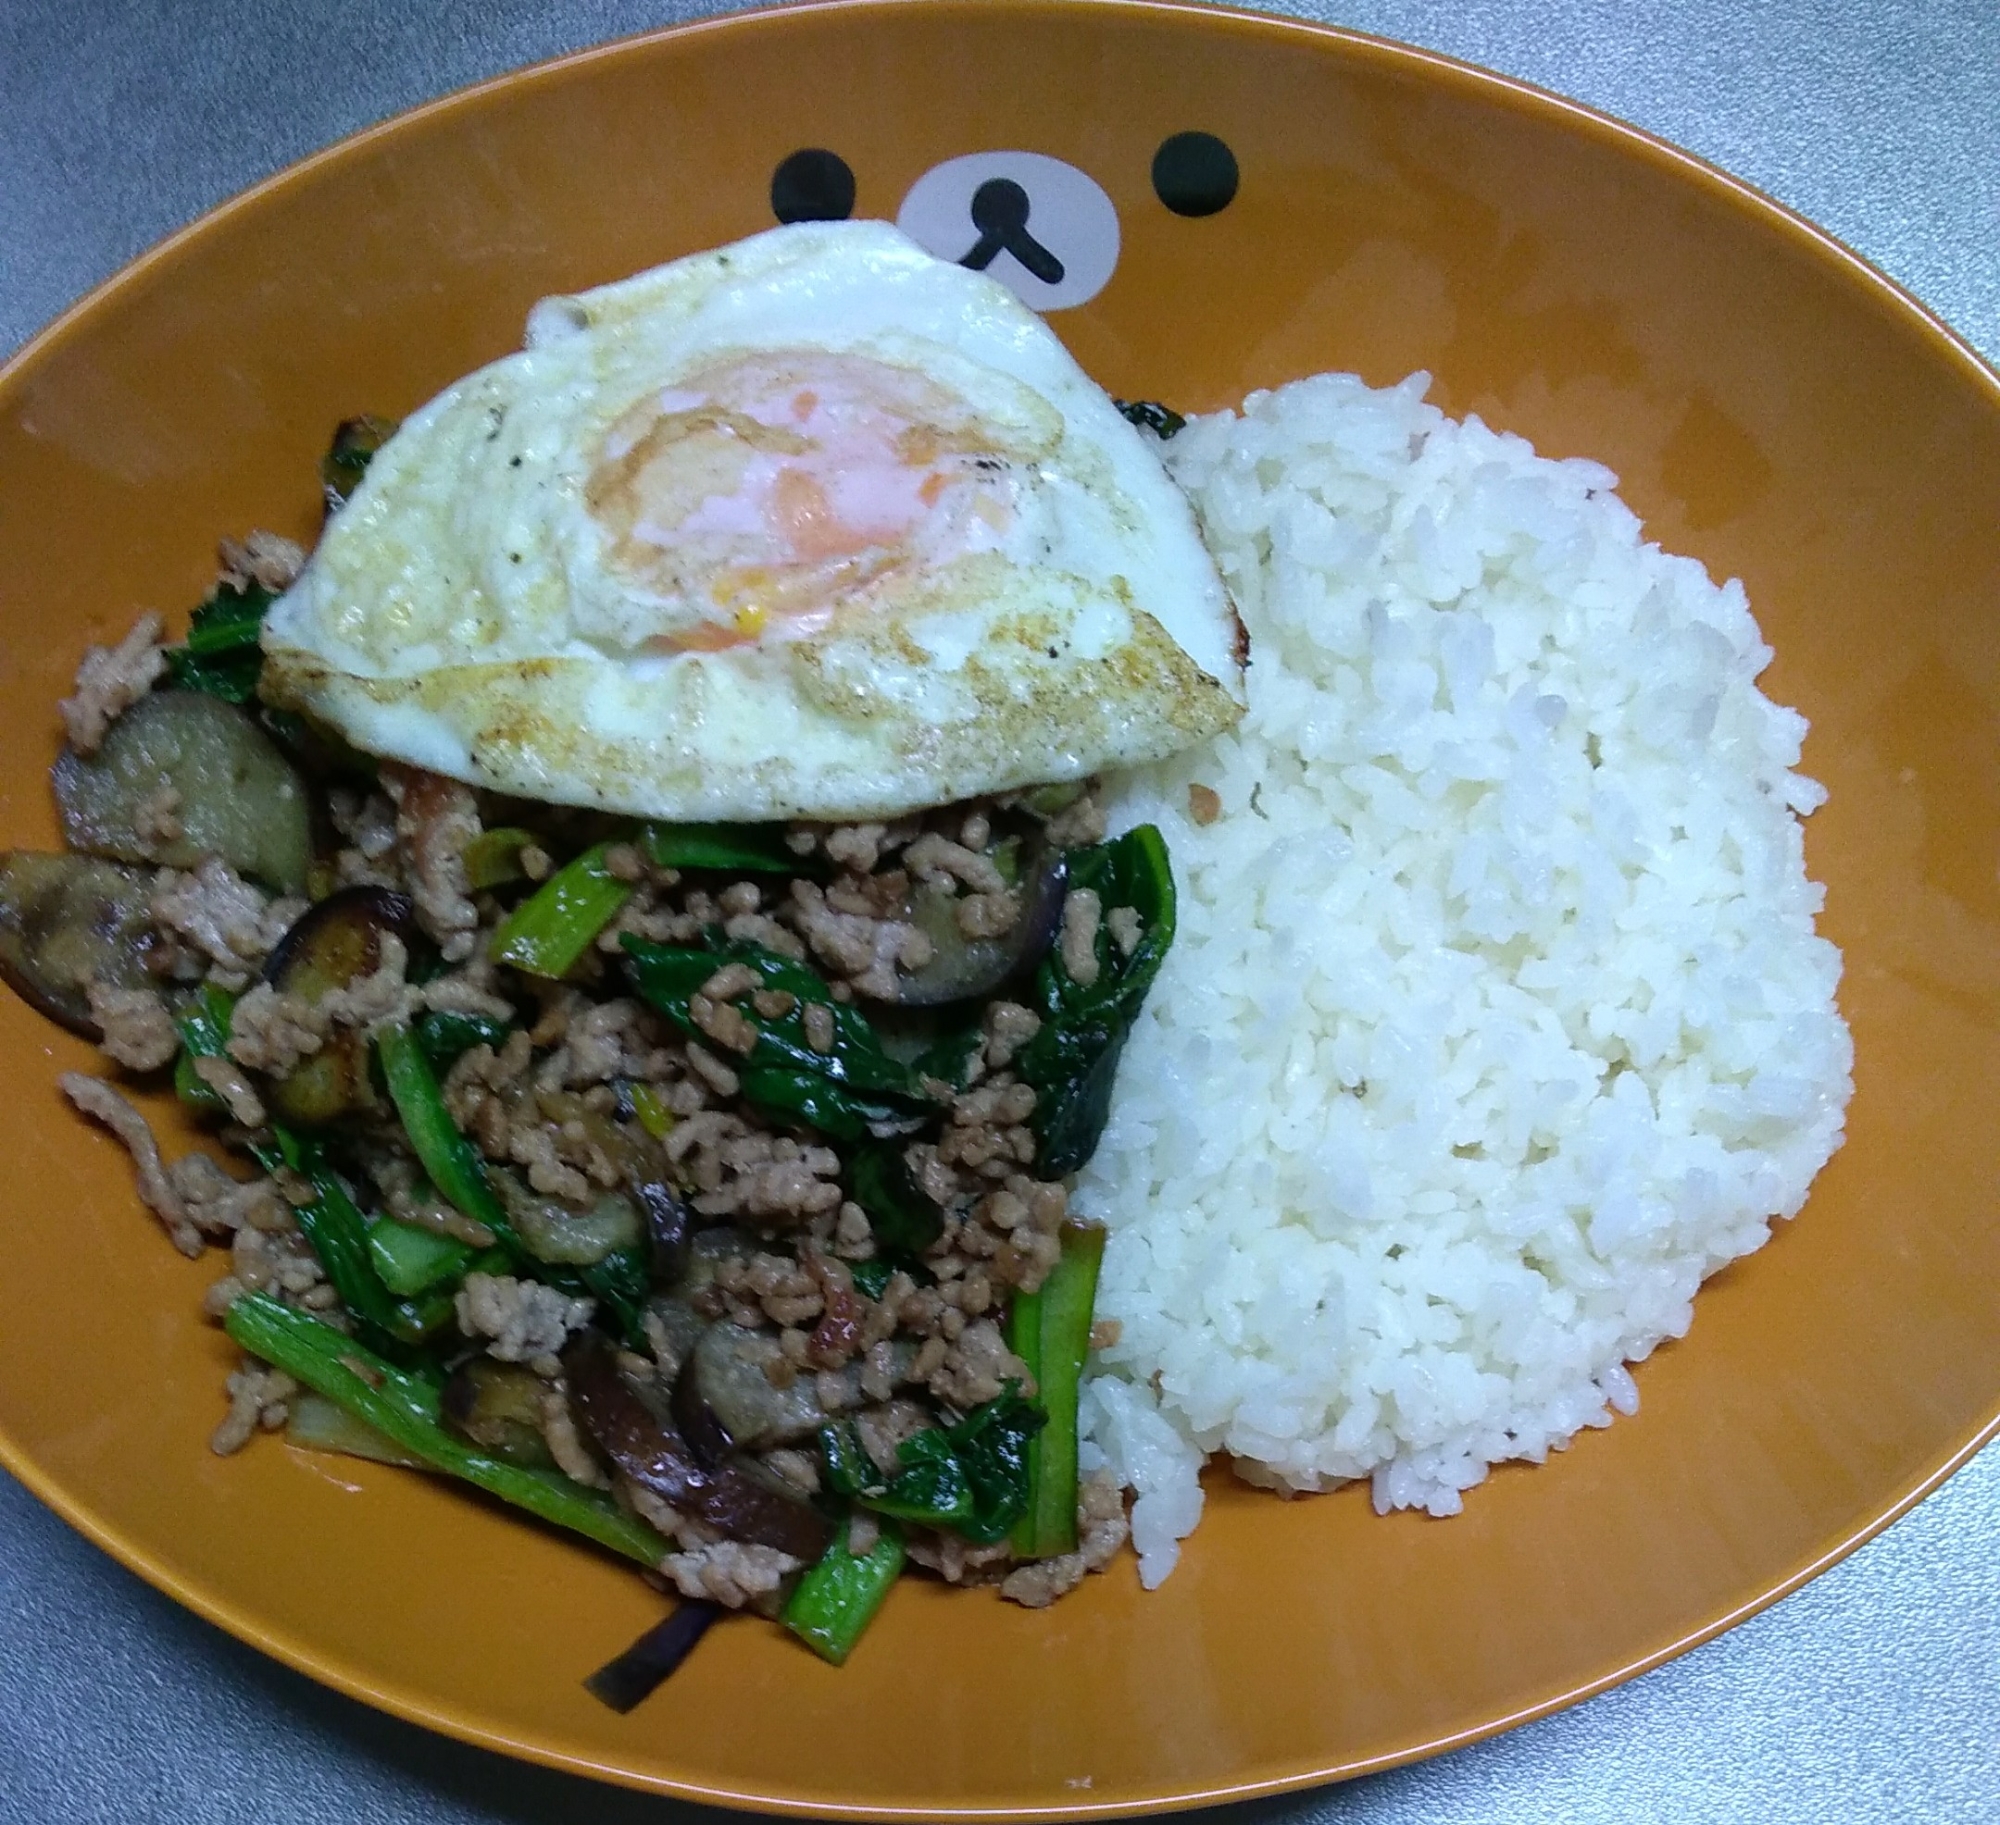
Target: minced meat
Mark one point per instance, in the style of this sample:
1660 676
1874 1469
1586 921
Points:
102 1103
519 1319
110 681
134 1027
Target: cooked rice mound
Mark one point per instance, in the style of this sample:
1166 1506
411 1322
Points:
1496 1021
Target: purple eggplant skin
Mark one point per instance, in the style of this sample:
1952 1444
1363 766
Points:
649 1448
975 969
707 1437
236 795
66 919
335 943
338 940
669 1229
638 1672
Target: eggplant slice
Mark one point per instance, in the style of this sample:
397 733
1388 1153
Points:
66 919
557 1233
498 1407
731 1496
234 795
968 969
337 942
727 1373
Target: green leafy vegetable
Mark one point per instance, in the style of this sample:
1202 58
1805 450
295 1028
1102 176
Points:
949 1059
854 1090
819 1102
905 1222
1149 415
670 976
1049 1329
850 1471
403 1407
222 656
203 1024
444 1036
355 442
559 921
736 848
971 1476
992 1444
838 1597
1073 1060
621 1281
870 1277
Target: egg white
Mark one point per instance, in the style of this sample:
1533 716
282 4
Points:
500 601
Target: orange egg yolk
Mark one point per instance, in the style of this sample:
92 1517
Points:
760 497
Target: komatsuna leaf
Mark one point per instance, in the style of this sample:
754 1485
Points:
851 1091
1072 1061
221 655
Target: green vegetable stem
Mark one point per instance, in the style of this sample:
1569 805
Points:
493 858
412 1260
455 1168
203 1025
559 921
837 1598
446 1155
733 848
341 1238
1049 1330
403 1407
652 1111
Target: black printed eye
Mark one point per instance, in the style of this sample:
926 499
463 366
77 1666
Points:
1194 174
812 185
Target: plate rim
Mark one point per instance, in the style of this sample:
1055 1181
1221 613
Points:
463 1723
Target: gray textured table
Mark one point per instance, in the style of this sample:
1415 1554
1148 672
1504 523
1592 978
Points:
1873 1694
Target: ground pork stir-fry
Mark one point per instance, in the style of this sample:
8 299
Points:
714 1175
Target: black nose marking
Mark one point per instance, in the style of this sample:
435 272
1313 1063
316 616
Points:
812 185
1000 213
1194 174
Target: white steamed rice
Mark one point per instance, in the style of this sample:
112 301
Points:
1496 1020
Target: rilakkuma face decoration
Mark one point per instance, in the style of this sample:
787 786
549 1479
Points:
1043 227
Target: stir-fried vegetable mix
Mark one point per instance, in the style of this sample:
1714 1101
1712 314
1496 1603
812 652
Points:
699 1189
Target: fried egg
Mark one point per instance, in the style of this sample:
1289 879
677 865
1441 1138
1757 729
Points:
814 525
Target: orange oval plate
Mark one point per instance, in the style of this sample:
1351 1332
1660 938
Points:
1774 408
